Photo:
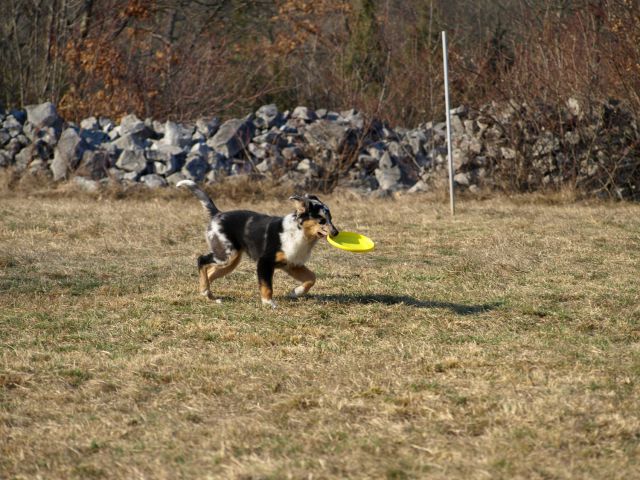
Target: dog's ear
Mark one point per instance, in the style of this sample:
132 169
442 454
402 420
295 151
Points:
301 203
313 197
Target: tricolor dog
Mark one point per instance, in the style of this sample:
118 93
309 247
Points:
273 242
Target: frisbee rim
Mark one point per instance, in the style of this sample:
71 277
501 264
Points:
367 247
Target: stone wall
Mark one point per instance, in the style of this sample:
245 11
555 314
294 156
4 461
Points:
499 146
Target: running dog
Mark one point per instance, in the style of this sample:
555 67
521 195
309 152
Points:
273 242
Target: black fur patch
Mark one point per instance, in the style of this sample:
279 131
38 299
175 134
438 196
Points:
205 260
251 232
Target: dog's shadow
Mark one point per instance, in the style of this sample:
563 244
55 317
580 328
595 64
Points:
370 299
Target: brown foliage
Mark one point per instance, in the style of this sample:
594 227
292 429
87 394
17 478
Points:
190 58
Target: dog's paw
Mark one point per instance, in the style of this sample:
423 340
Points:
297 292
207 293
268 303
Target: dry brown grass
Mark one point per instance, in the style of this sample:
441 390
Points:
502 343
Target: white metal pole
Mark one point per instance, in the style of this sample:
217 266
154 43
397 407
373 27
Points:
448 108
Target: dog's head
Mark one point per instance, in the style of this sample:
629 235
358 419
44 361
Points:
314 217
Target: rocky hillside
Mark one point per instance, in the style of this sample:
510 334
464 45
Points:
509 147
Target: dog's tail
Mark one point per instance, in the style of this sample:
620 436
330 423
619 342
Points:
205 200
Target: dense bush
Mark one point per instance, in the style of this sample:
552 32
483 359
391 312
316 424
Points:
181 59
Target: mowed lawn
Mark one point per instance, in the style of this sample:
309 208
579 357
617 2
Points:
502 343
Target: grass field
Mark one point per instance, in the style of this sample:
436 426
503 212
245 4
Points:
502 343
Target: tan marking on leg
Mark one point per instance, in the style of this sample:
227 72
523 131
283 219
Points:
204 280
304 275
219 271
281 257
210 272
266 294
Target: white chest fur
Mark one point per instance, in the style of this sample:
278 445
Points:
296 247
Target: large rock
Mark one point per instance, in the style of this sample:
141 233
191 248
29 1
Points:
352 117
132 125
167 168
24 157
328 135
106 124
47 134
175 178
201 149
233 136
273 137
264 166
307 166
463 179
218 162
13 146
398 150
132 161
94 138
5 159
457 127
130 176
304 113
38 151
12 125
94 164
4 137
29 131
43 115
207 127
460 158
419 187
153 181
19 115
176 135
166 159
258 152
164 153
268 116
128 142
545 144
292 153
67 154
415 144
367 163
90 123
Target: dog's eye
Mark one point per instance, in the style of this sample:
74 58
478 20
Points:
322 221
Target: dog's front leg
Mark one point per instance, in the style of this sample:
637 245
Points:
266 267
304 275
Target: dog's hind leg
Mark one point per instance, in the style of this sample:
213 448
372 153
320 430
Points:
304 275
204 263
210 269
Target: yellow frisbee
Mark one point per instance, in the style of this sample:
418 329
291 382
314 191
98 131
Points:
352 242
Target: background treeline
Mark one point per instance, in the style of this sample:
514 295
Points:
181 59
